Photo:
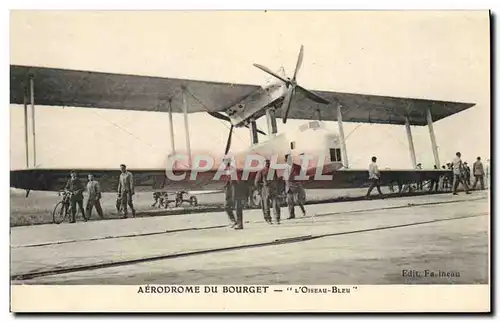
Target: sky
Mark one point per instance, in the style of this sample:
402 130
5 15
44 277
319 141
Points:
431 55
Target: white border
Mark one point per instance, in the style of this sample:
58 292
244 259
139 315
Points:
192 4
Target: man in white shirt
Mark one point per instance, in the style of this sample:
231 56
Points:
459 174
374 177
126 190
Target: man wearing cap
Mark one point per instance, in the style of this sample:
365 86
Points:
76 187
268 184
235 193
126 190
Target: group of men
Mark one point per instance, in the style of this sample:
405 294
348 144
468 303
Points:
461 174
237 192
76 187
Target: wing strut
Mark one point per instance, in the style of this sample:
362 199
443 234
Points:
272 127
171 123
410 143
343 148
26 129
433 138
32 94
186 124
254 136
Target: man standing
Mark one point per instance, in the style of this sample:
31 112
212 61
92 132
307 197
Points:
478 173
444 180
488 172
434 182
374 177
458 174
293 188
235 193
94 191
228 194
420 184
76 187
269 193
467 173
126 190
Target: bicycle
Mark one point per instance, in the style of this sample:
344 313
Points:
63 208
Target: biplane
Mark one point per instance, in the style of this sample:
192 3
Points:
240 105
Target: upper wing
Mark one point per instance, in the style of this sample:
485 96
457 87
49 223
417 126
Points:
63 87
372 109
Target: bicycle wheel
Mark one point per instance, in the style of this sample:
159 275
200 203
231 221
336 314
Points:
59 213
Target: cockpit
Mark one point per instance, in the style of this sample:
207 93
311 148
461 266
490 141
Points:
313 125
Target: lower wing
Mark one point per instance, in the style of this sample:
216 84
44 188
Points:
204 182
344 179
144 179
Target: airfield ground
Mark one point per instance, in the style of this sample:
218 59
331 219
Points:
358 242
37 208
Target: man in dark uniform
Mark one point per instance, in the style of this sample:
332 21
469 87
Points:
76 187
228 194
293 188
434 182
268 193
235 193
467 172
478 173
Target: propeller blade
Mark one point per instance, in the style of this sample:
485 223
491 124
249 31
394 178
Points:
228 144
299 62
310 95
267 70
219 116
285 107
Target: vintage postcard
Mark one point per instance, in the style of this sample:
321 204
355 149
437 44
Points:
250 161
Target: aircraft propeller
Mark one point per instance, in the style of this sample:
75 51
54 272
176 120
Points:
292 86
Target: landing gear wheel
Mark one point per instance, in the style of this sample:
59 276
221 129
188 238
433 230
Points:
193 201
255 199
